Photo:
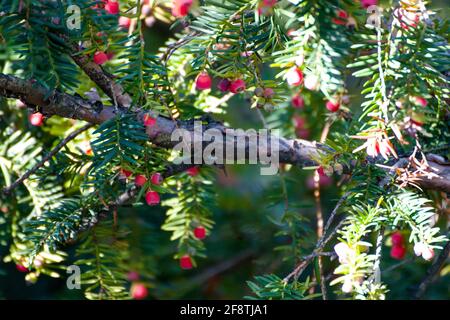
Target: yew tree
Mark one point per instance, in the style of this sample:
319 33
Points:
356 93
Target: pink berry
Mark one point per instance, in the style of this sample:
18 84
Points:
237 86
268 93
200 232
112 7
140 180
100 57
180 8
124 22
133 276
149 121
152 198
146 9
21 268
224 85
332 106
294 77
368 3
36 119
297 101
186 262
203 81
193 171
421 101
156 178
269 3
398 252
302 133
299 122
20 104
139 291
428 253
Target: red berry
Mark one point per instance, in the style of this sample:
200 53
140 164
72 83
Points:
112 7
203 81
342 14
156 178
124 22
149 121
126 173
332 106
294 77
36 119
398 252
152 198
193 171
338 21
100 57
224 85
237 86
180 8
140 180
200 232
186 262
139 291
397 238
21 268
297 101
302 133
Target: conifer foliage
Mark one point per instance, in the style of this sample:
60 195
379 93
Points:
91 90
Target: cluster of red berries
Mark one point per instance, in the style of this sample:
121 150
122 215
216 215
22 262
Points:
398 249
204 82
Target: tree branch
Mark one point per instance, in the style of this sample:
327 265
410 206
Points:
291 151
100 77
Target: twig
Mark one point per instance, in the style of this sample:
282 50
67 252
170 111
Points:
321 242
54 151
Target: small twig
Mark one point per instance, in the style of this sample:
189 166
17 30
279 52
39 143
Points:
322 241
54 151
